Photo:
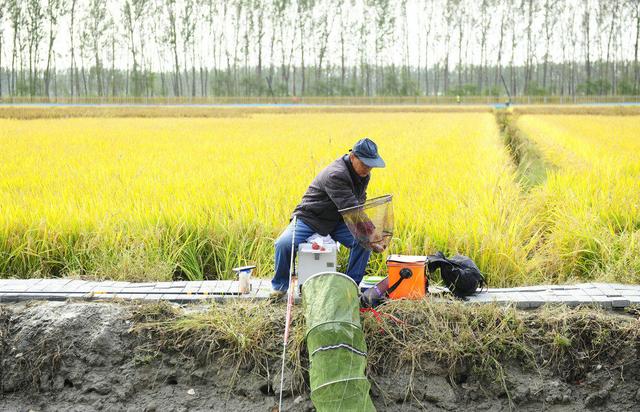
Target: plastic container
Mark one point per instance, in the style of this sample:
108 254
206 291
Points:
312 261
370 281
244 278
412 269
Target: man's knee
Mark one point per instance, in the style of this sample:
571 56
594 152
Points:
283 243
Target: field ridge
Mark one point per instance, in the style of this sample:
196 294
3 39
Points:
528 159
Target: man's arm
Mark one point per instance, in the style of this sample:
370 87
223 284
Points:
338 187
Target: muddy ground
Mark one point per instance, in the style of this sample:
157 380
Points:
85 356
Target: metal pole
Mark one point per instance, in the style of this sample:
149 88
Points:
289 308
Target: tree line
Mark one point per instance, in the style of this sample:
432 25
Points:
199 48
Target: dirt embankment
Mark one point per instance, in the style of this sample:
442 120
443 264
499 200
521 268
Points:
106 356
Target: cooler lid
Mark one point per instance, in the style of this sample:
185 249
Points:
407 259
308 248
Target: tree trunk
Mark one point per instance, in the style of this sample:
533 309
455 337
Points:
55 78
636 68
84 77
445 73
23 81
73 57
30 65
342 66
14 58
460 29
12 82
204 77
302 68
610 38
1 39
193 69
260 35
176 80
272 57
499 58
113 65
98 70
436 79
284 56
529 61
587 39
47 73
426 64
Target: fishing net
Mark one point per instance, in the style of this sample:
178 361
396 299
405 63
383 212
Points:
336 344
371 223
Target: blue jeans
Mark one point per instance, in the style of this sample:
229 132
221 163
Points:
358 256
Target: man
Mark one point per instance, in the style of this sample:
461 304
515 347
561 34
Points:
340 185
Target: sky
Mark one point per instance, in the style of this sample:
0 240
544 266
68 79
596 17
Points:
415 35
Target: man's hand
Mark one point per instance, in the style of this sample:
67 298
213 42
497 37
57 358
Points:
377 247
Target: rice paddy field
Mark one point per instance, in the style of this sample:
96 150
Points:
190 197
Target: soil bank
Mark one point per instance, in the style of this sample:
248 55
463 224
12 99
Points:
88 356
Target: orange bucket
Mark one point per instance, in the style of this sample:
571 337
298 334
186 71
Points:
412 269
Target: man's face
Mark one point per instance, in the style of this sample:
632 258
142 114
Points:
361 169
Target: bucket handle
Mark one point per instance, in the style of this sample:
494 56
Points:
405 273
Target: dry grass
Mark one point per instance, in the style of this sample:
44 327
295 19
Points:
64 112
245 336
27 112
577 109
462 339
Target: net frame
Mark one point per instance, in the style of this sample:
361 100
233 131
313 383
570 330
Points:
365 225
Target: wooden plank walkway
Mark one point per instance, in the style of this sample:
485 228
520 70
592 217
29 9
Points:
608 295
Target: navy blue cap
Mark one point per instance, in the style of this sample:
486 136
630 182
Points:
367 151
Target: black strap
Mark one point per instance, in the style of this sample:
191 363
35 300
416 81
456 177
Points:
405 273
395 286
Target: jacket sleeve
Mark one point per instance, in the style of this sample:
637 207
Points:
338 187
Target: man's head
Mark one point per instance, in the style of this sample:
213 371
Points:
364 157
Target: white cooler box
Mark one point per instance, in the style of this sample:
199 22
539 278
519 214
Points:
312 261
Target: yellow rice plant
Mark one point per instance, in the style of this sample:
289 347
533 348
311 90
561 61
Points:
590 204
162 198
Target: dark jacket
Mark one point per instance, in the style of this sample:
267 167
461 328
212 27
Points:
336 187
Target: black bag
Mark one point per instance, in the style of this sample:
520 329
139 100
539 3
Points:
459 273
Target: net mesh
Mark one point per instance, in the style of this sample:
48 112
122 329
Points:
371 223
336 344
